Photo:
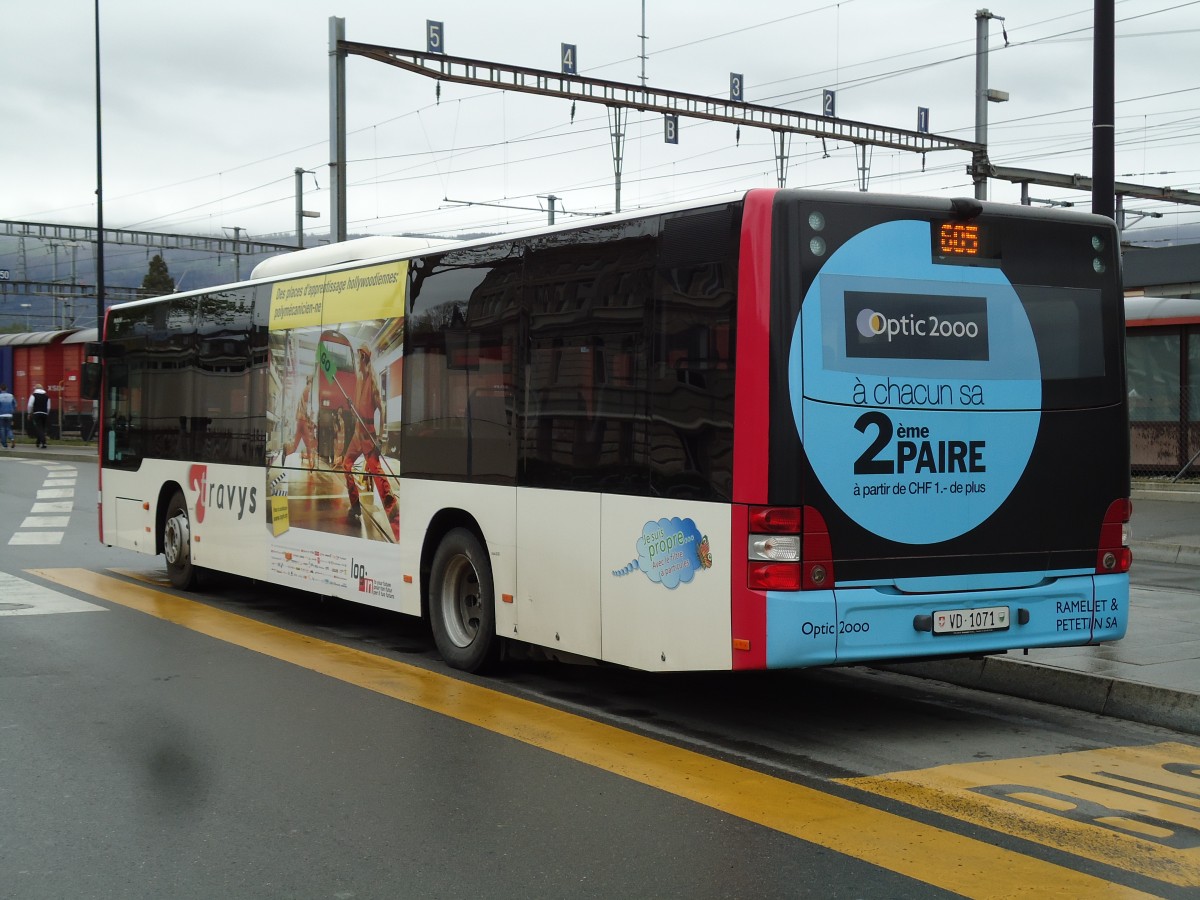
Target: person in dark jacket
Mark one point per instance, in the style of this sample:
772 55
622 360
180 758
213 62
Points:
38 408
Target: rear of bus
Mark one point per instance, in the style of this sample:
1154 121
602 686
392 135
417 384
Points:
946 471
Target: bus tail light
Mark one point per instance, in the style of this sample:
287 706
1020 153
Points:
1114 556
789 549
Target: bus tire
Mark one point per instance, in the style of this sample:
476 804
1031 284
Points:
462 603
177 544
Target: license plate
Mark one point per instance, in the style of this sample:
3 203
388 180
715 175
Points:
970 621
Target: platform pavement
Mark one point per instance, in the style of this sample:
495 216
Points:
1151 676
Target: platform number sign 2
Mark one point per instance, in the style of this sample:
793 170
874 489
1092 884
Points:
570 60
829 103
435 37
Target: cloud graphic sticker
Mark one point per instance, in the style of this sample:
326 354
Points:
670 552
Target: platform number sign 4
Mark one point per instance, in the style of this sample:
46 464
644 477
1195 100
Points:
829 103
570 60
435 37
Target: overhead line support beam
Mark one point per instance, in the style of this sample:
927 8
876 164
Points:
1084 183
632 96
47 231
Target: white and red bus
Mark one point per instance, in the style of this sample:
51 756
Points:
788 428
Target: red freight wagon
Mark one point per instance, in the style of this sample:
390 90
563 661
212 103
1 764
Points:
52 359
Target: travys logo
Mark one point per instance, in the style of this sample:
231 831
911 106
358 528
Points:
222 496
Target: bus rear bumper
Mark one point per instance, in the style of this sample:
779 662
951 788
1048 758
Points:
863 624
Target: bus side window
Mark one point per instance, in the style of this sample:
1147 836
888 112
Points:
459 387
585 424
692 380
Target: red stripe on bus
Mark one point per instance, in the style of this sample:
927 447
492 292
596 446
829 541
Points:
748 609
1153 323
752 388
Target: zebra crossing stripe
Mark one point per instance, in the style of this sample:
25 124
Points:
25 598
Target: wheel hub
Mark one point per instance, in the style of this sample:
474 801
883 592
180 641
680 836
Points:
177 540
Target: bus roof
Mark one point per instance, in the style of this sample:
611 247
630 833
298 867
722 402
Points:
315 260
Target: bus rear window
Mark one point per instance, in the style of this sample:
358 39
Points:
1077 347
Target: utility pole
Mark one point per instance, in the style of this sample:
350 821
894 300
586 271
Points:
642 35
1103 103
237 253
617 117
979 157
99 194
337 128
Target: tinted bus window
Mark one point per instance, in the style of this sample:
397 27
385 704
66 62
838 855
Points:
587 297
150 402
691 396
228 423
459 394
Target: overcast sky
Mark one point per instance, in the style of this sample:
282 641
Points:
209 107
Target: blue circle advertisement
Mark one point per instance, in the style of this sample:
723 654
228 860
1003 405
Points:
915 385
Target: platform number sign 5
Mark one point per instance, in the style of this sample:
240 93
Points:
829 103
435 37
570 60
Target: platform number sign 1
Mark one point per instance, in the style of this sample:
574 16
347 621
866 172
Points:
570 60
923 119
735 87
435 37
829 103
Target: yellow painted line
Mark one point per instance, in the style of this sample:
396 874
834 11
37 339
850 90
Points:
1135 808
969 867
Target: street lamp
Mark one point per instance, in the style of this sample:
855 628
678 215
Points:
301 212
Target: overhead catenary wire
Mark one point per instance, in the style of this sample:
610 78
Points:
227 204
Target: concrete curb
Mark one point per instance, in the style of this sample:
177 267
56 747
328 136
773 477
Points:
1156 551
1177 495
1144 703
53 454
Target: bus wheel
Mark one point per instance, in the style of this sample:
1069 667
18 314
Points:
177 544
462 605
